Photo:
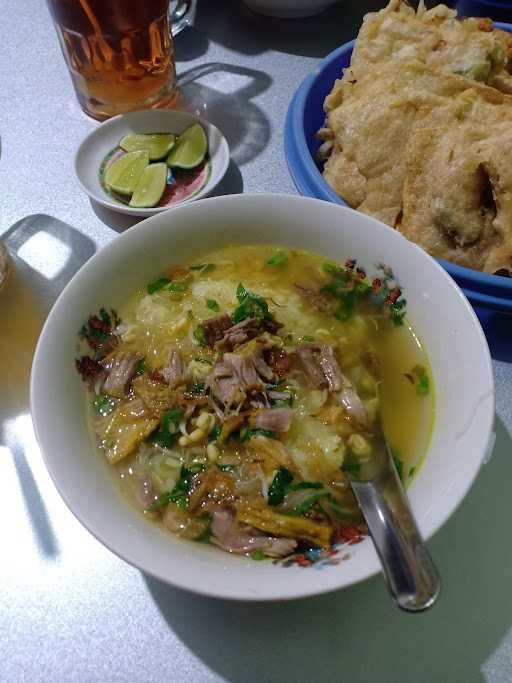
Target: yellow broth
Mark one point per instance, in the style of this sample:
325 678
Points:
385 364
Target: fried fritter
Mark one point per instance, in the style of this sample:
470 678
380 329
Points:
374 118
446 208
468 47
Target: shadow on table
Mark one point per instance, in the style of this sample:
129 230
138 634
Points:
498 331
46 253
236 27
357 634
232 183
223 94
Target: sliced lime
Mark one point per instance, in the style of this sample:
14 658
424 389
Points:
150 187
190 148
157 145
124 173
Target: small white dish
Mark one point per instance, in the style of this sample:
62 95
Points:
98 149
439 312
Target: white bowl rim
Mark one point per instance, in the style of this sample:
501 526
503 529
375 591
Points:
487 407
220 161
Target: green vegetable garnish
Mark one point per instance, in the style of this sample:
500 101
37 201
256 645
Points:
282 402
199 335
197 389
397 312
258 555
158 284
179 494
308 339
399 465
215 433
423 383
140 368
280 258
177 287
277 488
307 504
340 512
304 485
163 437
104 405
213 305
412 471
351 467
332 268
247 433
251 306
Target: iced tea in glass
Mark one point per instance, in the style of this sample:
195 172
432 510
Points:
119 53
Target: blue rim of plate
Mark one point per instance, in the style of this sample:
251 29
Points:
305 116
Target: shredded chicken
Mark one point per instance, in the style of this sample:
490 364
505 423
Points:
272 419
120 368
231 536
214 328
175 372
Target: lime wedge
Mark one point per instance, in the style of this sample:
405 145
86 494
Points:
150 187
124 173
190 148
157 145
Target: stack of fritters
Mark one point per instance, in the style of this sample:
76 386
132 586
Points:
417 132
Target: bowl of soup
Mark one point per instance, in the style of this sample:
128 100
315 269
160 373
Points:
219 390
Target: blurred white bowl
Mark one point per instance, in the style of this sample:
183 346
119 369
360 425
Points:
289 9
440 313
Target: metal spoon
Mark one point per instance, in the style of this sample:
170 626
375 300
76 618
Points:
411 575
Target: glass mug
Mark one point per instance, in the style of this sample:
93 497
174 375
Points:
119 52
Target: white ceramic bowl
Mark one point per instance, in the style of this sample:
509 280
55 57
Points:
289 9
438 310
105 138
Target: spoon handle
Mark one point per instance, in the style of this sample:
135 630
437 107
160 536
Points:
410 572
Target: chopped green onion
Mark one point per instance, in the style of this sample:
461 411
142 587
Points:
178 287
197 389
246 434
399 465
352 468
412 471
104 405
179 494
308 503
280 258
213 305
251 306
199 335
423 384
214 434
258 555
304 485
163 437
277 488
140 368
158 284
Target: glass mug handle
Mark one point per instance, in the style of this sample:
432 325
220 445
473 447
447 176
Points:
179 15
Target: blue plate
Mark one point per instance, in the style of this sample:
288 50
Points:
306 115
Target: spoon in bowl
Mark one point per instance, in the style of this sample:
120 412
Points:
411 575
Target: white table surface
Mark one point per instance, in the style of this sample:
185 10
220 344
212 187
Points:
69 609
